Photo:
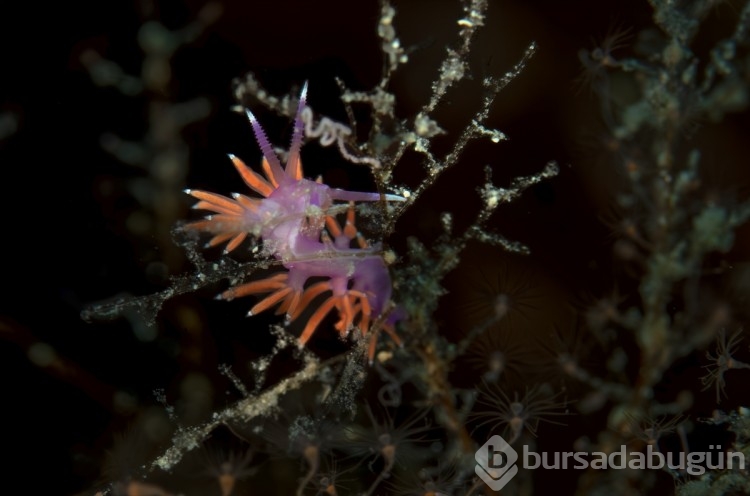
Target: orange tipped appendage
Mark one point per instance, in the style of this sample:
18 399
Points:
230 224
255 181
344 236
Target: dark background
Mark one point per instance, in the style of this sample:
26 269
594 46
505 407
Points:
69 205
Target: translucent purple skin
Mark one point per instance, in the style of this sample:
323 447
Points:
292 232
